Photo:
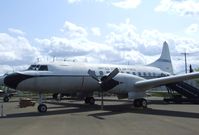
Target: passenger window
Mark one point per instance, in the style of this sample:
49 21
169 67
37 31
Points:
101 73
154 74
139 73
149 74
144 74
134 73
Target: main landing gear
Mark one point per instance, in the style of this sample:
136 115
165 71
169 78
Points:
57 96
140 103
89 100
42 108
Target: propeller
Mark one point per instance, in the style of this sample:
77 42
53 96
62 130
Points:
106 82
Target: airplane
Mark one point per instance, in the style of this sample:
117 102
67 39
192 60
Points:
126 81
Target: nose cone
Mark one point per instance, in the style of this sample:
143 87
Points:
13 80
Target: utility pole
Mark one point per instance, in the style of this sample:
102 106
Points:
185 61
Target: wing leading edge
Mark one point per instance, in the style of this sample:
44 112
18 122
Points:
151 83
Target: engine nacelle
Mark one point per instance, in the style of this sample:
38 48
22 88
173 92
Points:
126 83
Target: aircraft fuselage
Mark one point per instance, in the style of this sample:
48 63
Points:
74 77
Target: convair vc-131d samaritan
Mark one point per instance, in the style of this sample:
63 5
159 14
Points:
126 81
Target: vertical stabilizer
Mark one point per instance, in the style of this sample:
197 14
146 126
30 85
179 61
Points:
164 62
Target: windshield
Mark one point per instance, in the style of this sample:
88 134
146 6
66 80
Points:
38 67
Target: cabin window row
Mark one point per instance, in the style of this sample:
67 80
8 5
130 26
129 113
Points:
145 74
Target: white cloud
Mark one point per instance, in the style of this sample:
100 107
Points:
193 28
123 44
16 31
75 44
146 46
73 1
180 7
127 4
96 31
73 30
64 47
16 50
123 36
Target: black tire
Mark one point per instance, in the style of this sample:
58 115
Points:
143 103
86 100
140 103
6 99
42 108
91 101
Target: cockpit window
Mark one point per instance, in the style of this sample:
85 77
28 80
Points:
38 67
32 67
43 68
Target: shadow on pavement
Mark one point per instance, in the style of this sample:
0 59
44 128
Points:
96 112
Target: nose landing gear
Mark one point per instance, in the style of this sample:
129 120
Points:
90 100
42 108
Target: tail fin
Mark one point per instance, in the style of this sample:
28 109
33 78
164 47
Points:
164 62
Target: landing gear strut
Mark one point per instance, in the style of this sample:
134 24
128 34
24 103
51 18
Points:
90 100
140 103
57 96
41 107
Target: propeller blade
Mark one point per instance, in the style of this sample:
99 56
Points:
103 82
93 75
111 75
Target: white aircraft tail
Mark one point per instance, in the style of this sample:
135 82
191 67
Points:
164 62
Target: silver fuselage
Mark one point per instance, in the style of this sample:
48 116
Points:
73 77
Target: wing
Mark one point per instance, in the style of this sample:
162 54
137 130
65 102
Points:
151 83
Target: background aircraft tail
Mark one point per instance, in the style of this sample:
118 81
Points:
164 62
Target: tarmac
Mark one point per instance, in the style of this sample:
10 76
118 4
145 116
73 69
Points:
117 118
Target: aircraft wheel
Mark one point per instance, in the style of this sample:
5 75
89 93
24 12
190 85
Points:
91 101
143 103
6 99
42 108
140 103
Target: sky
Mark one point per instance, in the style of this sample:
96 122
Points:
97 31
